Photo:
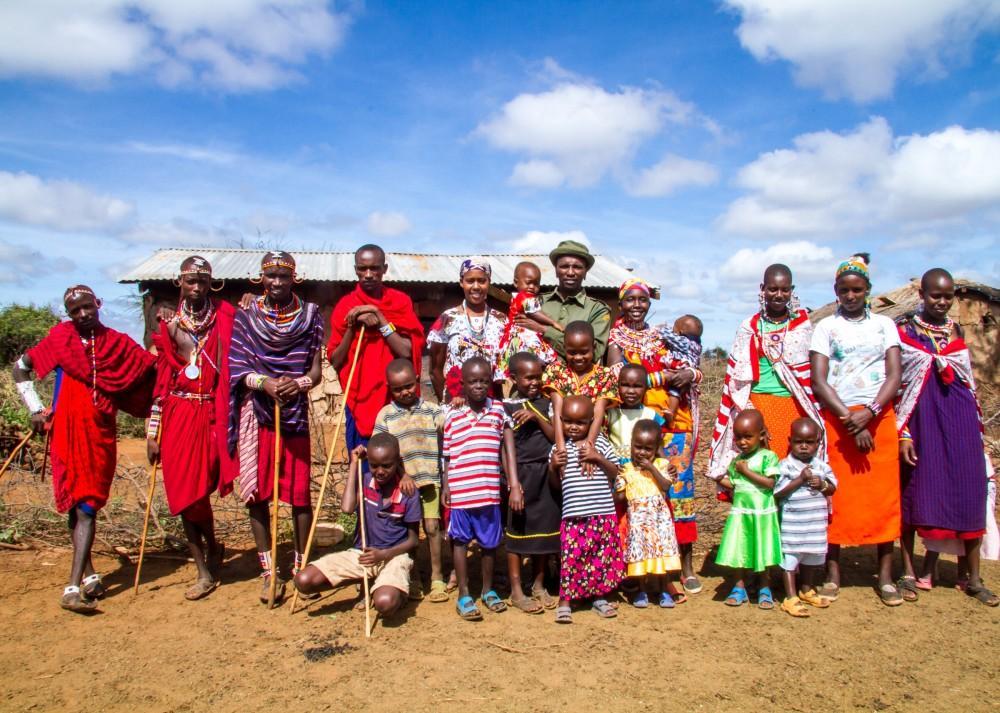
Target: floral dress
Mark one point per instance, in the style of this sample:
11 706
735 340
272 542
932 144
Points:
464 337
651 544
521 339
599 383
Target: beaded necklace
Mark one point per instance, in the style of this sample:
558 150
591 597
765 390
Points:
92 346
477 334
280 316
773 343
195 324
939 334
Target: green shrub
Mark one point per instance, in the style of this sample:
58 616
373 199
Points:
21 327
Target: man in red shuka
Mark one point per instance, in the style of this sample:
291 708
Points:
392 331
99 371
188 429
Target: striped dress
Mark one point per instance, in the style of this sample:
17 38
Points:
805 512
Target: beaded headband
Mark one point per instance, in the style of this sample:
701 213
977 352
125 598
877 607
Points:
635 284
75 293
277 259
196 266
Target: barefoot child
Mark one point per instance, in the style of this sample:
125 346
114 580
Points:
417 425
651 550
391 522
474 435
802 489
527 282
592 562
580 376
534 531
751 539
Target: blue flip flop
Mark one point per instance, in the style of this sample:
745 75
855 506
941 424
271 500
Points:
640 600
467 609
737 597
765 600
493 602
667 601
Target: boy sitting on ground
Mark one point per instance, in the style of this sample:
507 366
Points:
391 521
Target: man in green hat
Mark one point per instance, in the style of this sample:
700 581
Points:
569 302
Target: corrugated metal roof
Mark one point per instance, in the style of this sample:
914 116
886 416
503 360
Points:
232 264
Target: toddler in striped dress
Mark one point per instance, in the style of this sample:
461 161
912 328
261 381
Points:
801 490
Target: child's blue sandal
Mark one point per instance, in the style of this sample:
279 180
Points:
493 602
640 600
467 609
737 597
765 600
667 601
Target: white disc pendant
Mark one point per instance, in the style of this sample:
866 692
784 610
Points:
192 371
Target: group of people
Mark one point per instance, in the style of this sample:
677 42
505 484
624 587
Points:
565 436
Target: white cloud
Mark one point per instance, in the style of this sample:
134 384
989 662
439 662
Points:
542 242
668 175
64 205
807 260
857 48
577 132
838 183
236 45
387 225
22 265
201 154
180 232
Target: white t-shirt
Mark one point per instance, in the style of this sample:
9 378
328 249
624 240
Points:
857 354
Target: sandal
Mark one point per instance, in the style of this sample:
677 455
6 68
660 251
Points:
529 605
439 592
564 615
983 595
92 587
542 595
813 599
604 609
74 600
737 597
201 588
962 585
793 606
416 593
691 585
925 584
908 588
765 600
829 591
452 584
467 609
889 595
667 601
640 600
493 602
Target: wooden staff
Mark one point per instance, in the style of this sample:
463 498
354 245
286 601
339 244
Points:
145 521
13 453
273 590
45 455
364 546
329 462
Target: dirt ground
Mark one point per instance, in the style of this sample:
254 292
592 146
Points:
157 652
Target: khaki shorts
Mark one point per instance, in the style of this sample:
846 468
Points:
342 567
430 501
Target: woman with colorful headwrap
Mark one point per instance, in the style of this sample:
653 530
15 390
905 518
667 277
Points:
768 370
856 368
471 329
633 340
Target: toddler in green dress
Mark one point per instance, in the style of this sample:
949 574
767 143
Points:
751 540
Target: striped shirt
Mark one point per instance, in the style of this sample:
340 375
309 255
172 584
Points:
584 496
416 429
804 513
471 447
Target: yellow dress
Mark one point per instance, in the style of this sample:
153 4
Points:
651 546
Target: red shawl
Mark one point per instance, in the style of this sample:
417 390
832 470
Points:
125 371
369 392
169 370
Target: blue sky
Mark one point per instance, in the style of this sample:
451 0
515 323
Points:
697 142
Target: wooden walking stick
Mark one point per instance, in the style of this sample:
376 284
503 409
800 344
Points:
329 462
14 452
273 590
145 522
364 546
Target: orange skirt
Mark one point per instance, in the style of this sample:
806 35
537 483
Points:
780 412
866 507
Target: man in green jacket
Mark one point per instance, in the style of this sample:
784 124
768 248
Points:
569 302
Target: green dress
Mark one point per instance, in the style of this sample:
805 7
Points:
752 537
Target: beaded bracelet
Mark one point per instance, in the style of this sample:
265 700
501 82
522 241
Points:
255 381
874 406
153 427
305 382
387 329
